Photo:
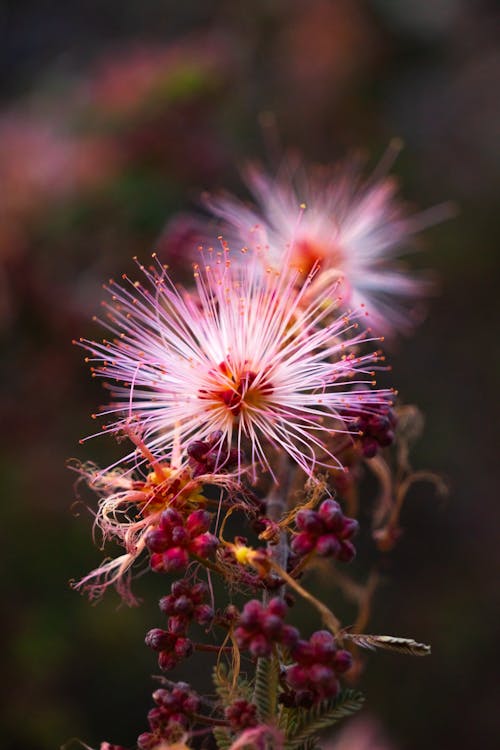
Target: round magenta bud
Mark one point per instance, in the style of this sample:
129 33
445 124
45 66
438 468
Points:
198 522
156 716
301 651
160 695
146 741
350 528
177 625
197 450
252 613
323 645
157 541
370 447
199 592
204 545
167 604
297 676
203 614
242 637
158 639
183 648
328 546
303 543
191 704
170 702
289 636
175 559
309 520
319 674
277 607
272 626
166 660
342 661
331 513
170 518
156 562
180 536
179 587
183 605
347 551
260 646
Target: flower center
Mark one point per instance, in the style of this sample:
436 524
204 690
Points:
236 390
307 251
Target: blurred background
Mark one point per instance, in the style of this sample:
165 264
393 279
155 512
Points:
114 117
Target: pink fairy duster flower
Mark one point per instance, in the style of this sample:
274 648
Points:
259 737
355 229
244 356
364 733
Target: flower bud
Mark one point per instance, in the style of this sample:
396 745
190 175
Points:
331 513
303 543
328 546
146 741
198 522
309 520
204 545
157 541
350 528
260 646
203 614
183 648
277 607
159 640
175 559
180 536
170 518
289 636
347 552
166 661
342 661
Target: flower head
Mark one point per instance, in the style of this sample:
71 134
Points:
243 358
355 230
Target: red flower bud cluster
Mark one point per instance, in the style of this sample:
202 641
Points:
325 531
377 431
259 627
173 647
186 602
318 662
171 717
241 714
173 540
210 455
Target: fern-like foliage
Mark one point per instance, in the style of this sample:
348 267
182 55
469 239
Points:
222 738
265 694
222 683
306 723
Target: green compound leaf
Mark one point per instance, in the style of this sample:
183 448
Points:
265 694
308 722
222 683
222 737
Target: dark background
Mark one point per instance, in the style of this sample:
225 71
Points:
114 116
